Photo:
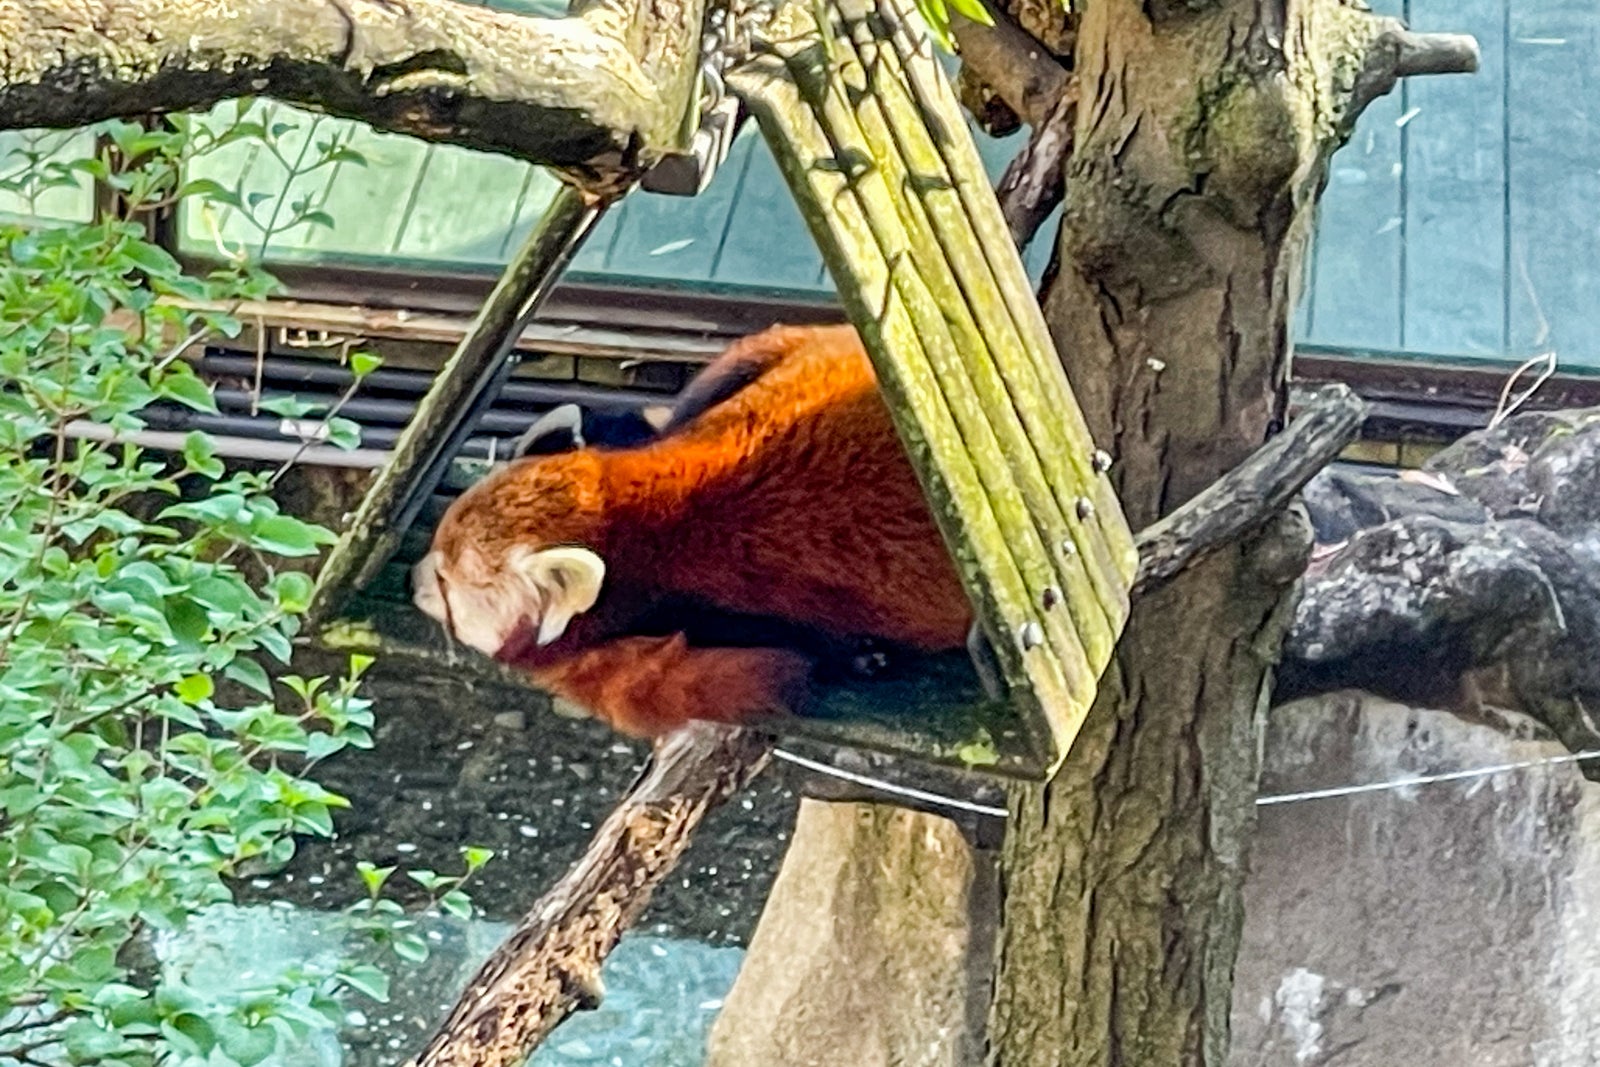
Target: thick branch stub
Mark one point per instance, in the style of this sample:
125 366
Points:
1035 180
1435 53
1248 496
1397 52
1015 65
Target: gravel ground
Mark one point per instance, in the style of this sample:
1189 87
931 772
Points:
463 762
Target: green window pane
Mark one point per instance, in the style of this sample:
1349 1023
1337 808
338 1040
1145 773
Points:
33 187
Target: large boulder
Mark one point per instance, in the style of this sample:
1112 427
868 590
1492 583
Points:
872 950
1472 584
1432 924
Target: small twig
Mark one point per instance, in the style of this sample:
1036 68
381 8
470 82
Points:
306 443
1248 496
550 965
174 353
26 1024
1507 406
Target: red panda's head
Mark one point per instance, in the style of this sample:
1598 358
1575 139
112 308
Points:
516 556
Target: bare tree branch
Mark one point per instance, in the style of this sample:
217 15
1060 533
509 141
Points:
1396 52
1248 496
1018 68
606 88
1035 180
550 965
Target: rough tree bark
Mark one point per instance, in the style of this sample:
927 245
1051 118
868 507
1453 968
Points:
1202 139
603 89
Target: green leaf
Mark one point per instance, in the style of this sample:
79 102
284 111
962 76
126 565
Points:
410 948
343 433
194 688
476 857
182 385
368 980
248 672
284 535
456 903
429 880
246 1045
364 363
206 189
292 590
200 455
289 406
974 10
373 877
155 261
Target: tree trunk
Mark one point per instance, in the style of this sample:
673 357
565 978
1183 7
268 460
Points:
1202 140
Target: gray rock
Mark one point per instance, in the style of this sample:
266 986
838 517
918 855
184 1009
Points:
1476 583
1431 925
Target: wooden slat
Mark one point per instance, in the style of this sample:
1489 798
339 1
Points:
908 224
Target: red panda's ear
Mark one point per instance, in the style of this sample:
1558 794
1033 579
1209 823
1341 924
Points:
567 580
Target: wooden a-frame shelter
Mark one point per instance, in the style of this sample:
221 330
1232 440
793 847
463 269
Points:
874 148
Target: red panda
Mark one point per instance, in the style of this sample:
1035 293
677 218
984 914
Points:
779 489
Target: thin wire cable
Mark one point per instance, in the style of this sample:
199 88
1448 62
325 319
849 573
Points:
925 796
889 787
1425 779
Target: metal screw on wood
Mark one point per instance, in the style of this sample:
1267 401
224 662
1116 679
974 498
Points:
1031 635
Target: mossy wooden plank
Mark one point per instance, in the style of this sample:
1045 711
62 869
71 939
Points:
933 94
1023 506
532 203
883 170
1064 459
950 259
822 188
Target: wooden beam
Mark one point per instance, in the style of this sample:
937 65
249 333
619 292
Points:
601 94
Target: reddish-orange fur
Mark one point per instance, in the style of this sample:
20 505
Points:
790 498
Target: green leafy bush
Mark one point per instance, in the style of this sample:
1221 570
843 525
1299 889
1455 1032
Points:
131 792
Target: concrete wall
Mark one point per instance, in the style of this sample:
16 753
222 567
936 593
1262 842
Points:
1433 926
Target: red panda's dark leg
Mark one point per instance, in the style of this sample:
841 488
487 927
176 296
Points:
647 686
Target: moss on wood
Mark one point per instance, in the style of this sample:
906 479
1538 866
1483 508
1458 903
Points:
883 171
